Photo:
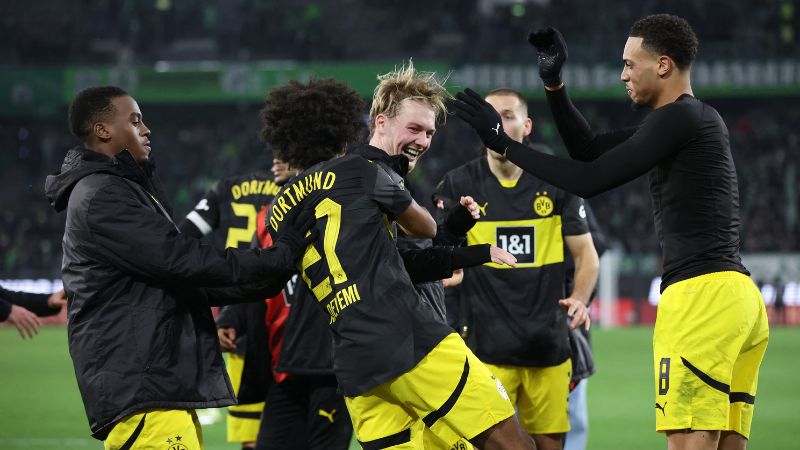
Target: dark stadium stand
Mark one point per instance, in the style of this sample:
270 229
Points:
200 142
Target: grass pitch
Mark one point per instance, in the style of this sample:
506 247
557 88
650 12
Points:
40 408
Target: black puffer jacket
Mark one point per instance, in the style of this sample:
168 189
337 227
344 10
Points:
140 330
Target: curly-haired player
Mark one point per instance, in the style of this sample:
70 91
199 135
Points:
400 367
711 332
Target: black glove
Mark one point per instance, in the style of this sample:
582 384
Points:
551 54
482 116
295 234
459 220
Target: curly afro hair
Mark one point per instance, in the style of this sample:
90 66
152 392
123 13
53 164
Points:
669 35
305 124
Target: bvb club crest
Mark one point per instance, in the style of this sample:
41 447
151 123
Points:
175 444
542 204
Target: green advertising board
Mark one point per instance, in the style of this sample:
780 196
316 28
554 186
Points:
42 92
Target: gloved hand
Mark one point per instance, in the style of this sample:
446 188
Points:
551 54
460 218
482 116
299 233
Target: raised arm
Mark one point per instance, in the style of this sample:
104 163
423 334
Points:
658 137
581 141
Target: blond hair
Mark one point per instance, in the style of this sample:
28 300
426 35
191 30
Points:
407 83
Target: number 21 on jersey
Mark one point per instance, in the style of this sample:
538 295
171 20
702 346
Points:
335 273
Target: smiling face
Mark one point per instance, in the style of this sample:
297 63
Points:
125 130
641 73
408 133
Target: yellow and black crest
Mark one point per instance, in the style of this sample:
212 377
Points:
175 443
543 205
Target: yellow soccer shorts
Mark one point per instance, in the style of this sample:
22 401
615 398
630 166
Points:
449 391
710 337
243 420
168 429
540 393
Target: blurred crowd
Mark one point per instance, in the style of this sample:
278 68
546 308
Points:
194 146
454 31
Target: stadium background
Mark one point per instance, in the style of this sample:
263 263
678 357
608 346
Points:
200 70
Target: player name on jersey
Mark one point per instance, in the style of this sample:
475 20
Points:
343 298
252 187
297 191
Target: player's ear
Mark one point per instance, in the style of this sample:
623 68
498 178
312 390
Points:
101 131
665 66
380 121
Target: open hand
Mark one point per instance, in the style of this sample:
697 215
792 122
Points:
471 205
500 256
26 322
482 116
576 309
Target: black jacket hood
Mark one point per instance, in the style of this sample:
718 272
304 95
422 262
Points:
81 162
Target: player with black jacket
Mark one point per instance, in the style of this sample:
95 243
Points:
141 335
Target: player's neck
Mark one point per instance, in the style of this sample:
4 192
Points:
503 169
379 143
673 91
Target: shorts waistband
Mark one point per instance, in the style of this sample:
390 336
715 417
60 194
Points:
730 275
724 275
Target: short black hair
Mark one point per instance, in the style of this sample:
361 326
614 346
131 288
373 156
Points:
668 35
90 106
309 123
504 91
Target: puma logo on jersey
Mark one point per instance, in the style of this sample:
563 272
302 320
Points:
662 408
203 205
482 208
327 415
497 129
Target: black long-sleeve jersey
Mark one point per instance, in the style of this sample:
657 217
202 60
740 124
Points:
381 328
307 343
685 148
35 303
228 210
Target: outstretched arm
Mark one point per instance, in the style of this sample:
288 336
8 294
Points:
659 136
41 305
439 262
144 243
